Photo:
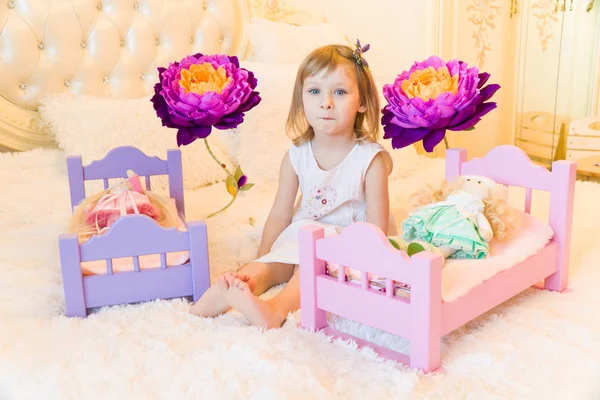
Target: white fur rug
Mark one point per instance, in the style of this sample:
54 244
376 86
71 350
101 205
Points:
540 345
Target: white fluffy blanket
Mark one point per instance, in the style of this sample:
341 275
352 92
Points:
539 345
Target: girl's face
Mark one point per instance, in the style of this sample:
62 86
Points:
331 101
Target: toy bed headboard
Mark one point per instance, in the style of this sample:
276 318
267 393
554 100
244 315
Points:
105 48
510 166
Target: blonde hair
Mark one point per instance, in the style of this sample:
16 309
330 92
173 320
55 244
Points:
329 58
168 217
502 218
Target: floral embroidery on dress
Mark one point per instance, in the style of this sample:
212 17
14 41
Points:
321 201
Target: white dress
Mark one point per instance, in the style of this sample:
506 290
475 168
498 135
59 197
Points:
329 198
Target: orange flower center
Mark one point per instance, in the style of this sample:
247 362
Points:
202 78
429 83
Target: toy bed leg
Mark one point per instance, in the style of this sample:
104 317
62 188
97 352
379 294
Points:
310 268
426 311
72 278
199 258
561 219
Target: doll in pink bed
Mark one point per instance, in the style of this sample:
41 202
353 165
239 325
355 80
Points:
459 218
97 213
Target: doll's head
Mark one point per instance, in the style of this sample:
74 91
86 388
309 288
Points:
502 218
96 213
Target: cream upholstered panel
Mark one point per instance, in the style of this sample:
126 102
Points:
108 48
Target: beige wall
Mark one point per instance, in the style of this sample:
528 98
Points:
489 35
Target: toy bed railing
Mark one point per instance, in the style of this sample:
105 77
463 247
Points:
134 236
424 318
115 165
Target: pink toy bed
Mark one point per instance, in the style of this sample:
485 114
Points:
426 313
136 259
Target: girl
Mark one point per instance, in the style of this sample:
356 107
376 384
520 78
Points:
340 169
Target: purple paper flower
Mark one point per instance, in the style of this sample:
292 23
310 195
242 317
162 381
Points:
202 91
434 96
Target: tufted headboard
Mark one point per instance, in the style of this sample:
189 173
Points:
105 48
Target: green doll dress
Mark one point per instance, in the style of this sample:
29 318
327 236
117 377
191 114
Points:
449 223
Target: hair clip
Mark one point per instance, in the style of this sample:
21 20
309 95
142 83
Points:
358 53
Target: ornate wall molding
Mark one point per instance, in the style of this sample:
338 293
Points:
484 12
546 14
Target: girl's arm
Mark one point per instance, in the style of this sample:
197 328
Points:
283 207
377 195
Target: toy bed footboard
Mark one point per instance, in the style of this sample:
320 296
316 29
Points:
361 246
134 236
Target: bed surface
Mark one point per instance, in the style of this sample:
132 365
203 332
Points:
154 349
40 342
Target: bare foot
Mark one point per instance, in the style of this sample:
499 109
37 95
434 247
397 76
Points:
213 302
235 279
258 312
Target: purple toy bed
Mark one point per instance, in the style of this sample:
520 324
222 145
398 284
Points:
132 236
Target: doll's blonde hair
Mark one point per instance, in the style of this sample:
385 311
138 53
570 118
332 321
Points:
329 58
168 217
502 217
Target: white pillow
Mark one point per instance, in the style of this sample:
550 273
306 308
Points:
281 43
260 142
91 126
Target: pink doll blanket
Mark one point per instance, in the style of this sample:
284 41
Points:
127 197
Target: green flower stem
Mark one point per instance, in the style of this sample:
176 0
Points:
445 142
224 208
215 158
228 173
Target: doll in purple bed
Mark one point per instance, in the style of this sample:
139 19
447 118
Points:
96 213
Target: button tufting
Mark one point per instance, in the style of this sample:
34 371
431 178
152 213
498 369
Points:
205 6
136 6
67 83
10 4
22 86
105 80
156 42
221 40
142 77
41 45
122 43
99 6
83 44
191 40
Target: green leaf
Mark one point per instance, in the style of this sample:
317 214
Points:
231 186
470 129
247 186
238 173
